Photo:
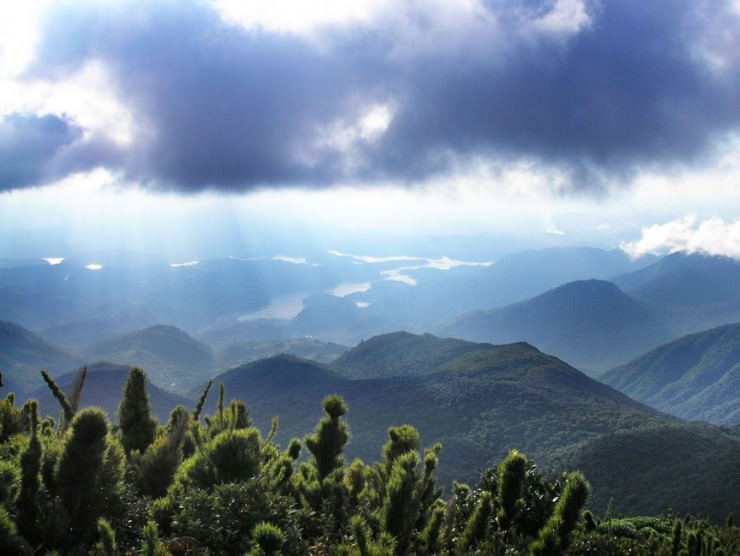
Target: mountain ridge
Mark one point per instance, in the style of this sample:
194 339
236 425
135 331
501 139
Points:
694 377
592 324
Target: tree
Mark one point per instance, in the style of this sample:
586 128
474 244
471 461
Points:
555 535
511 475
80 469
476 529
138 428
327 442
27 501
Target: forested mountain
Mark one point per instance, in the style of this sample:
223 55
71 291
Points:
479 404
686 467
172 358
699 291
103 387
696 377
591 324
480 400
23 354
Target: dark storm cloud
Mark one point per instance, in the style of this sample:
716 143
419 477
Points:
31 148
643 84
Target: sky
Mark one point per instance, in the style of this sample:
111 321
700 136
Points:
537 122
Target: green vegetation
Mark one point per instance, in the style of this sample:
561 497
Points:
379 356
215 485
684 467
479 404
104 385
697 377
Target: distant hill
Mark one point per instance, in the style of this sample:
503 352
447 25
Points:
171 358
591 324
402 354
696 377
701 291
526 274
104 388
80 334
479 405
244 352
23 354
683 467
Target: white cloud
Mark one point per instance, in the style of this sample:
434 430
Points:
565 16
713 236
341 135
295 17
19 33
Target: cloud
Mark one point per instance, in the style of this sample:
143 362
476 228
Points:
713 236
596 91
31 148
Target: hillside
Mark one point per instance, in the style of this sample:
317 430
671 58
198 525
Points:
80 334
479 404
591 324
401 354
481 400
103 388
700 291
696 377
171 358
682 467
23 354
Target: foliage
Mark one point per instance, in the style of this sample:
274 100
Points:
327 442
138 428
238 492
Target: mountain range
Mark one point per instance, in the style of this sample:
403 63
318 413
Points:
590 323
480 400
696 291
479 403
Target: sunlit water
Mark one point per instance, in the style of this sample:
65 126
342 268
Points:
282 307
